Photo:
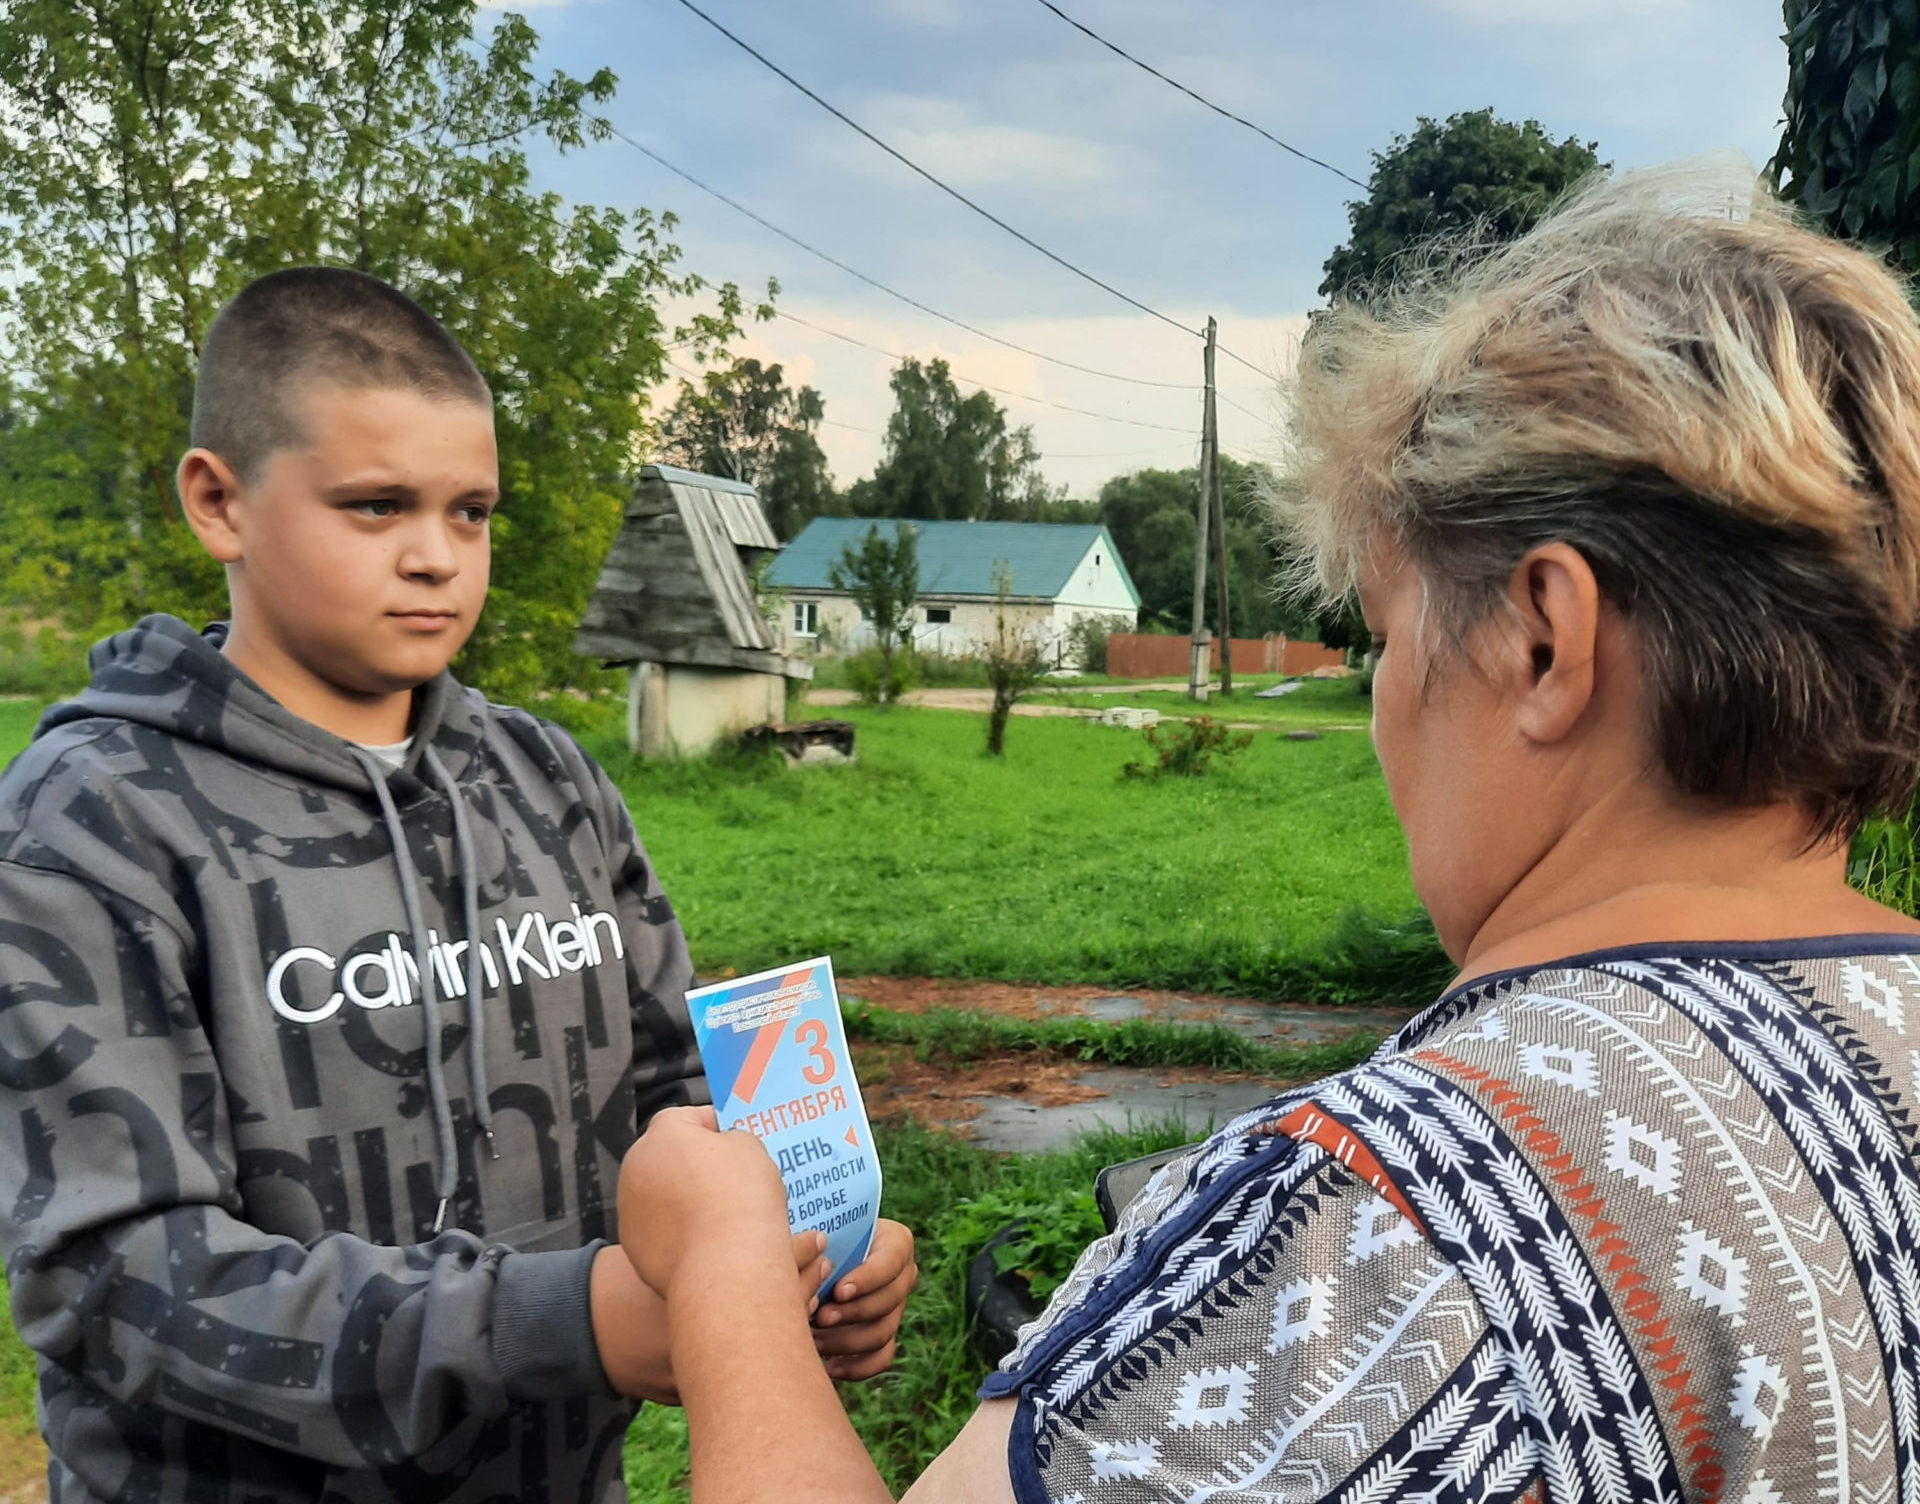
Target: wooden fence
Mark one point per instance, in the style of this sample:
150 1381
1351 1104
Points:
1134 655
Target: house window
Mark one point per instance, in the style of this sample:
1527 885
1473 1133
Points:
939 616
1096 561
806 618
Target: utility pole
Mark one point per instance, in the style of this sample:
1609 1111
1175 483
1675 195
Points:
1200 670
1217 500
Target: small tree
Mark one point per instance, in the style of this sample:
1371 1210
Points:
1015 660
884 579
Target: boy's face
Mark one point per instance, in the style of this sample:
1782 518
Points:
362 556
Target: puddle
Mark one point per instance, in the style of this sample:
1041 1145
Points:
1016 1126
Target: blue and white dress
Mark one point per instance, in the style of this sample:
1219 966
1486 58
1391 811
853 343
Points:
1642 1225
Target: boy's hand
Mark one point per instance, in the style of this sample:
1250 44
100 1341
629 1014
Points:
689 1193
855 1331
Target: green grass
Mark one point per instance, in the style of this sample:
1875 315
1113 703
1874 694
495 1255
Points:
1319 704
17 718
929 858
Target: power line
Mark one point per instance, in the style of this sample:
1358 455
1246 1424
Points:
874 282
1197 98
1084 412
949 190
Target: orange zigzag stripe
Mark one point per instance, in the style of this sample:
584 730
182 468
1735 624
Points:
1632 1291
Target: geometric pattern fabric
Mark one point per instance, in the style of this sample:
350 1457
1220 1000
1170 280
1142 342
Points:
1644 1226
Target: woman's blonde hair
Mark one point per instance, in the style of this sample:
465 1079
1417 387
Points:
1717 406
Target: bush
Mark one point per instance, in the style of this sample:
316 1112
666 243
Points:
46 664
876 683
1187 749
1087 641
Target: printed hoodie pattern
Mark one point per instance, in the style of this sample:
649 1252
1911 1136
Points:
254 1226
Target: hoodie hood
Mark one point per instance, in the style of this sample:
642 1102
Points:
161 673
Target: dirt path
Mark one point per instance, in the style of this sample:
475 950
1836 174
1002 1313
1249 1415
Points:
980 701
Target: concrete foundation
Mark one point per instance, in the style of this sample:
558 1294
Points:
676 710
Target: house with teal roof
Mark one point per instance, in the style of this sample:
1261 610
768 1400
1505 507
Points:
1058 572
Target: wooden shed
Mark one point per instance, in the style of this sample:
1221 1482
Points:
675 602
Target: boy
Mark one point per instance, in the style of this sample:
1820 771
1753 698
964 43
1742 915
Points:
332 993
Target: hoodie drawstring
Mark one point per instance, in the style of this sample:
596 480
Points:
470 895
448 1179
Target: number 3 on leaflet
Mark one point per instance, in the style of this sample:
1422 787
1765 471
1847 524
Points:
813 1034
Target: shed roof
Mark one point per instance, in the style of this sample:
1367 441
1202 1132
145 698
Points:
675 586
956 558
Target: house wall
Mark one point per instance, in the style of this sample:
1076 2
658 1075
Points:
674 710
1097 588
967 634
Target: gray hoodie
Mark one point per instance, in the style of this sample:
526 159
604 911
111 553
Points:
266 1245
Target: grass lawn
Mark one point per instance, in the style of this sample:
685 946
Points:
929 858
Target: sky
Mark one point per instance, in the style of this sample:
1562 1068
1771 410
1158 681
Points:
1102 164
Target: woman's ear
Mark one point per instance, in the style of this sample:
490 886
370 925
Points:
1555 612
208 489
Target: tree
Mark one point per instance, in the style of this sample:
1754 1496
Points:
952 457
746 423
1150 514
1850 148
1015 659
157 154
884 580
1473 174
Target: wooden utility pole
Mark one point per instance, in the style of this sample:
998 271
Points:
1217 500
1200 671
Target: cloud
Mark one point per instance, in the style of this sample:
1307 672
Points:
949 142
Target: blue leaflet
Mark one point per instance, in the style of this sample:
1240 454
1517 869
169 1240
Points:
776 1058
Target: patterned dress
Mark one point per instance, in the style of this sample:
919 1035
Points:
1638 1226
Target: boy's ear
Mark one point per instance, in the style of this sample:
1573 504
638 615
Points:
208 490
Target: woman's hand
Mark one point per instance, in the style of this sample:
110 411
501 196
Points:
855 1331
690 1193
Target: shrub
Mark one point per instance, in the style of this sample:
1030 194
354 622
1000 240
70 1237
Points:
880 678
1187 749
1087 641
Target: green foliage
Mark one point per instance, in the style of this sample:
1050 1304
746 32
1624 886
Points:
1150 515
1087 640
46 663
884 579
880 678
1188 748
1014 658
1885 861
1473 175
1850 147
1050 1234
949 456
957 1036
746 423
156 156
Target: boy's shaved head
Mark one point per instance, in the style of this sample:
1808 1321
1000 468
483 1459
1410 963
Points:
315 325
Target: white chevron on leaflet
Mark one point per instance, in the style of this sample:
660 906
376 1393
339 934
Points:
1833 1280
1726 1088
1785 1183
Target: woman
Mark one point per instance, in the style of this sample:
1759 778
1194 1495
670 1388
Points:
1633 510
